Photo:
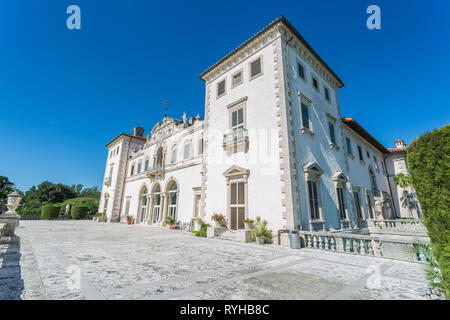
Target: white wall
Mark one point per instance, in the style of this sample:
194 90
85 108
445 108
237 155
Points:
262 156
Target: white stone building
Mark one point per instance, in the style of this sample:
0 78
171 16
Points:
272 144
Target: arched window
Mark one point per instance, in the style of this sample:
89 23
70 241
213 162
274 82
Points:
174 155
139 167
187 150
156 203
143 204
173 194
159 158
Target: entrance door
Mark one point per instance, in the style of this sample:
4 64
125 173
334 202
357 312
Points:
197 205
237 206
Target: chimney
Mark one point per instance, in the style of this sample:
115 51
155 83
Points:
138 131
400 143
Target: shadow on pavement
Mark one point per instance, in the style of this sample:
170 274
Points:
11 282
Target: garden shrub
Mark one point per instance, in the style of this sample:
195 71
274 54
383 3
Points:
203 229
429 164
49 212
78 212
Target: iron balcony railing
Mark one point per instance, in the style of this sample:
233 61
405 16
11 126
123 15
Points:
239 135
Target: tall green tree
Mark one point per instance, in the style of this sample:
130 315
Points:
6 187
429 164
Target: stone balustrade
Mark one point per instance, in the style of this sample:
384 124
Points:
405 227
3 227
398 249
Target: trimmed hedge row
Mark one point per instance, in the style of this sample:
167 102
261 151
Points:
429 163
49 212
79 212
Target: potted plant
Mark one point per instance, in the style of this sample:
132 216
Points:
102 218
97 216
170 221
248 223
260 233
218 220
129 219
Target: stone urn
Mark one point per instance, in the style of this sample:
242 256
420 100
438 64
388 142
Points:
217 224
11 218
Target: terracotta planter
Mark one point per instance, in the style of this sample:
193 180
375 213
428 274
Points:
129 221
170 226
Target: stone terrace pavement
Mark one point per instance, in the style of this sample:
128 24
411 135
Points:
119 261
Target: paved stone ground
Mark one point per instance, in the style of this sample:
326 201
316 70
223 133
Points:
119 261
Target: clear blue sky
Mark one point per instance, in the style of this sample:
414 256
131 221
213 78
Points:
64 94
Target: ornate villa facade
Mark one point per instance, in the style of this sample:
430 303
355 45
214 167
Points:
272 143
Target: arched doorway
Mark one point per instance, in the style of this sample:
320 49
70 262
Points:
143 204
172 201
156 204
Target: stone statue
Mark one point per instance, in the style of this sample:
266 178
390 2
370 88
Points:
67 209
381 208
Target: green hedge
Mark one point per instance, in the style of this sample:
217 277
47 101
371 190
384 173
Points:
89 202
429 164
50 212
78 212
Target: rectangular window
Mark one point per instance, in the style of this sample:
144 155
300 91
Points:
237 119
305 116
341 202
369 205
376 163
368 155
237 78
132 170
327 94
360 153
221 88
111 171
174 155
187 150
313 200
332 135
146 165
139 168
255 68
315 83
349 146
200 146
301 71
358 204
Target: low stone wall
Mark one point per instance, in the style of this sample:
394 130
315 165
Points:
386 247
38 217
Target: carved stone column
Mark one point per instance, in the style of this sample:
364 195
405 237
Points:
163 208
149 210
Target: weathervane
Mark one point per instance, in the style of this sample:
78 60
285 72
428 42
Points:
165 103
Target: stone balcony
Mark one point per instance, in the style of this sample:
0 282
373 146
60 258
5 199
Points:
238 138
156 170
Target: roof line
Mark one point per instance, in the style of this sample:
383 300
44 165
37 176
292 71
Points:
282 19
359 130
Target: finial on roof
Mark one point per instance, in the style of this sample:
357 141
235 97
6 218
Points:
165 103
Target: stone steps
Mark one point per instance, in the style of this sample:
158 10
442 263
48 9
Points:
227 235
